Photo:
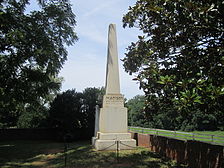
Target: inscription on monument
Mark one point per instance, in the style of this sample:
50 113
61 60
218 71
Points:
114 100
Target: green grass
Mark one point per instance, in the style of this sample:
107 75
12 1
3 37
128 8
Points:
218 133
46 154
205 136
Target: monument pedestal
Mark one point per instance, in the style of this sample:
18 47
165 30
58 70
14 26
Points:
113 125
113 120
108 141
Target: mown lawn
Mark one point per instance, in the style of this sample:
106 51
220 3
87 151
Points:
218 133
216 137
46 154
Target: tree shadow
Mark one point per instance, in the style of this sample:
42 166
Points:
24 153
89 157
29 154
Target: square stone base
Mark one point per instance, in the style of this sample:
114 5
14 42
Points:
113 120
112 144
114 141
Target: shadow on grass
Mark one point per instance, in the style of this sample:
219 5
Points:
27 153
87 157
45 154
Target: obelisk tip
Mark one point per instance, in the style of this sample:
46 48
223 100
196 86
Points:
112 25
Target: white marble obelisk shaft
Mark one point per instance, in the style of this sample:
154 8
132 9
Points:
113 110
113 124
112 74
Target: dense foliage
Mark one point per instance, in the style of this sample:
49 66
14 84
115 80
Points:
32 52
71 111
136 115
179 61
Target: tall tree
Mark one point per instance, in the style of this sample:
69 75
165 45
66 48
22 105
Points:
32 52
136 115
91 98
73 111
179 60
66 112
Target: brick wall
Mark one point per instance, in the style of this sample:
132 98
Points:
193 153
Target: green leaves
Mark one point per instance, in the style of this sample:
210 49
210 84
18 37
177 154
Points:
136 115
188 98
33 49
166 80
73 110
179 57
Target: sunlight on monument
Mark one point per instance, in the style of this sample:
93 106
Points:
111 120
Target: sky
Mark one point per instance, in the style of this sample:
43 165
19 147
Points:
86 64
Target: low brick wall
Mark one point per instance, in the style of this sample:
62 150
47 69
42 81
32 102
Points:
193 153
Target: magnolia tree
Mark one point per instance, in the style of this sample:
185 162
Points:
179 61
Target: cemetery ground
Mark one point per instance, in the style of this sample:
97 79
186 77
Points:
48 154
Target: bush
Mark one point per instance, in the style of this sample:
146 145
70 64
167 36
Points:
73 113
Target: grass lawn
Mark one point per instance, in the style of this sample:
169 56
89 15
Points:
218 133
216 137
46 154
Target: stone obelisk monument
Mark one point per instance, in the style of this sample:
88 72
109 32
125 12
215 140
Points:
113 125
